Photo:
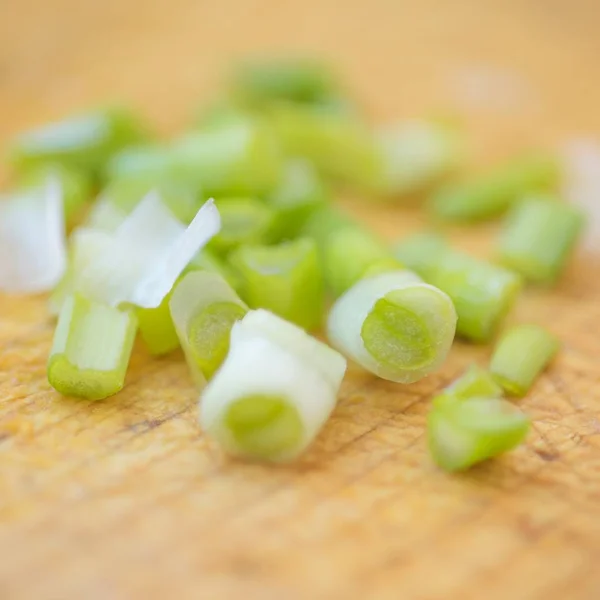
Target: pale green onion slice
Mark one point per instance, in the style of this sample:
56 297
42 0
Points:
32 239
475 382
274 392
492 193
299 194
105 216
204 308
148 252
208 260
146 163
415 155
84 141
75 183
462 434
394 325
521 355
243 221
539 237
157 328
420 252
91 349
285 279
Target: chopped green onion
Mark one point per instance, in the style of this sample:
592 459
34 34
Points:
462 434
33 255
285 279
91 349
492 193
394 325
204 308
521 355
243 221
347 251
415 155
483 293
179 198
85 245
337 142
146 255
104 216
207 260
538 238
239 157
274 392
299 194
297 80
76 186
475 382
157 328
85 141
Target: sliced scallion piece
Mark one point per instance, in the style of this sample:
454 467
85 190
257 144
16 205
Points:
285 279
85 141
274 392
204 308
75 183
299 194
147 253
492 193
243 221
483 293
157 328
475 382
208 260
462 434
521 355
394 325
33 255
538 238
91 349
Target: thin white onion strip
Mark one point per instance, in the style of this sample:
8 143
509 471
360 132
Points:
270 358
412 331
149 250
32 239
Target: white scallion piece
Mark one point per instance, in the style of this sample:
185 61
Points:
149 251
394 325
32 239
274 392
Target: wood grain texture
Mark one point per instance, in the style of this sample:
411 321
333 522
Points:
125 498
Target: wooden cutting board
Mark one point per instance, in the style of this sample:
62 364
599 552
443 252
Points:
125 498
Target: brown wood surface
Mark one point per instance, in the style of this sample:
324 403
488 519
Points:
125 498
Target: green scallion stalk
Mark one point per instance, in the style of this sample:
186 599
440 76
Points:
243 221
239 157
475 382
285 279
259 83
394 325
204 308
85 141
75 183
157 328
462 434
299 194
483 293
492 193
207 260
521 355
538 238
274 392
348 252
91 349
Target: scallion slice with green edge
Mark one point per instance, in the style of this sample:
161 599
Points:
32 239
492 193
85 141
393 325
91 349
464 433
243 221
538 238
475 382
204 308
285 279
274 392
522 353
